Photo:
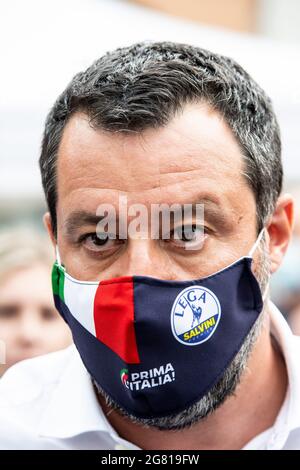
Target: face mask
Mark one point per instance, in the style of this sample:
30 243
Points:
155 346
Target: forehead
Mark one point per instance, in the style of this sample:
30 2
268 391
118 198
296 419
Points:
196 153
17 284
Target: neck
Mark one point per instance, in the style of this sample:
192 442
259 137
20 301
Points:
251 410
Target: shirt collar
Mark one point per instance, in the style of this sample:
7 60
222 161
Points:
288 417
73 408
290 346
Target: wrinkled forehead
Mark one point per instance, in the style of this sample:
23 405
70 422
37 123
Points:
194 156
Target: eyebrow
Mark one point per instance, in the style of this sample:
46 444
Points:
79 218
214 211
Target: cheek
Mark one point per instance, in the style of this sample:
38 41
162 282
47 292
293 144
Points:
10 342
8 331
57 334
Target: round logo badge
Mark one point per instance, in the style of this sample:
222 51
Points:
195 315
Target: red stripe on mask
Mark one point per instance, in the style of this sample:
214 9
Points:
114 318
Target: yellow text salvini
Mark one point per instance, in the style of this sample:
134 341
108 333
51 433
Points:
200 328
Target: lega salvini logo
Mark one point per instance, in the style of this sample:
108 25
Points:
195 315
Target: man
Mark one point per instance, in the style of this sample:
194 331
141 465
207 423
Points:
162 123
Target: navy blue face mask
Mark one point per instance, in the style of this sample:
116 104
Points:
156 347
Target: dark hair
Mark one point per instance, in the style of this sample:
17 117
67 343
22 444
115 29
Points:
144 85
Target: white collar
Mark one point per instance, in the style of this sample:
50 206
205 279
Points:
288 417
74 409
290 346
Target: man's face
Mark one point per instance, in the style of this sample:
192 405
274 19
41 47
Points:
194 159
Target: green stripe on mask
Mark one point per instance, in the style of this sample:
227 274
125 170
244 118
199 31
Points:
58 281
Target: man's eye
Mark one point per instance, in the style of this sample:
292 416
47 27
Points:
98 241
188 235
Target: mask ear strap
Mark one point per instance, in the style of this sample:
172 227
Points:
57 255
252 251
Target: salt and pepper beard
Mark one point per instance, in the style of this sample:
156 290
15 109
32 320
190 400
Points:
230 379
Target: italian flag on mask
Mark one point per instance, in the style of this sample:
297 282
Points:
105 309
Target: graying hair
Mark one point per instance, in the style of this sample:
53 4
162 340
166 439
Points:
229 381
144 85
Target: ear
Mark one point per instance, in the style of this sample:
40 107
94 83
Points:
48 225
280 229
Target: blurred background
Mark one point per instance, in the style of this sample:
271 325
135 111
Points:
44 43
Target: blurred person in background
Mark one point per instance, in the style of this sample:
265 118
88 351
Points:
29 323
